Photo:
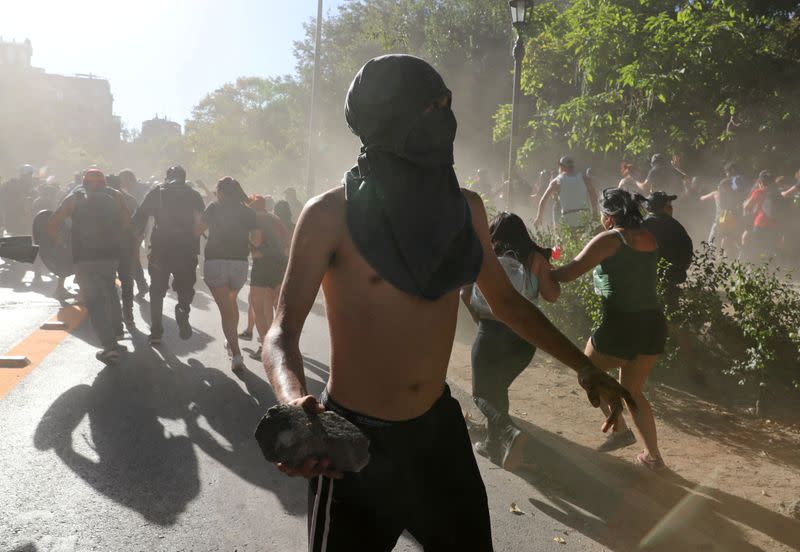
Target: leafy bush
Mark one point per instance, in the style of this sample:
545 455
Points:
750 315
578 310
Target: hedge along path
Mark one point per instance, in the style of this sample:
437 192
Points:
39 344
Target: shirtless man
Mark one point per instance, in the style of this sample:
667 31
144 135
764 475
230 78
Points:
390 265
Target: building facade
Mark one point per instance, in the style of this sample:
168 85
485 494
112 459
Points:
38 109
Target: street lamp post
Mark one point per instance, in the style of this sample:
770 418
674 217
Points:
311 112
519 15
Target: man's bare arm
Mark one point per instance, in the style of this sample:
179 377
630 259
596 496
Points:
315 240
528 322
551 188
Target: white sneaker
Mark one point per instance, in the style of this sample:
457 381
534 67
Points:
237 363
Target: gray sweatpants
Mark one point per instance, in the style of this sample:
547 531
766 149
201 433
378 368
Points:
97 280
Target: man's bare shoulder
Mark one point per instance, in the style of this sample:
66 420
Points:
325 212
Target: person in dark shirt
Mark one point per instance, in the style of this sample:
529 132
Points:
174 245
232 227
290 195
283 211
675 246
128 250
99 218
674 243
269 265
131 186
47 200
662 177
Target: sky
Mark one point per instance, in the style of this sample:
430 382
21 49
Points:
161 56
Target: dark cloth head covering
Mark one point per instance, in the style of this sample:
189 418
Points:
658 200
405 209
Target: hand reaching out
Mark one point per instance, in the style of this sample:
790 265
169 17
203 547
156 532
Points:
600 387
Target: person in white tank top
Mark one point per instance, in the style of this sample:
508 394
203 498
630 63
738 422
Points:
574 191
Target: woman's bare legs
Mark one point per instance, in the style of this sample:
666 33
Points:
633 375
225 298
263 304
251 316
606 363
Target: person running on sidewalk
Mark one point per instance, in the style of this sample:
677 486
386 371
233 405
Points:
633 331
283 211
174 244
129 185
575 193
47 199
498 354
129 247
269 266
232 227
247 333
99 220
391 249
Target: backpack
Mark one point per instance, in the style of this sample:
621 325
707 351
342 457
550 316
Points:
95 231
175 214
521 279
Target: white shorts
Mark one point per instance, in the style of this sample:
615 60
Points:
225 273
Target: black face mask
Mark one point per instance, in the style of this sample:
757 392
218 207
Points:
405 210
430 140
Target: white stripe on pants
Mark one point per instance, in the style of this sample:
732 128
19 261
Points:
321 545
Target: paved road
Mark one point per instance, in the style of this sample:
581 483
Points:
157 454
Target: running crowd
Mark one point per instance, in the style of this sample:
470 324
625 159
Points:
108 217
393 249
749 218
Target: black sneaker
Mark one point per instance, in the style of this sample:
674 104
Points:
108 356
489 449
617 440
246 336
182 318
256 355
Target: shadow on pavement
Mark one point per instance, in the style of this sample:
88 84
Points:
625 507
695 416
30 547
145 417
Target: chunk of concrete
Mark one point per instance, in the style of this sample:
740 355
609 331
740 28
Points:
290 435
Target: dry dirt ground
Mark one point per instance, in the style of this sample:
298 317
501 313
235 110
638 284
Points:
732 483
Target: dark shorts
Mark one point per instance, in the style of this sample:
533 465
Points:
267 272
422 477
627 335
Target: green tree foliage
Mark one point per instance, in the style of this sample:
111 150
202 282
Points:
248 129
629 77
468 41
